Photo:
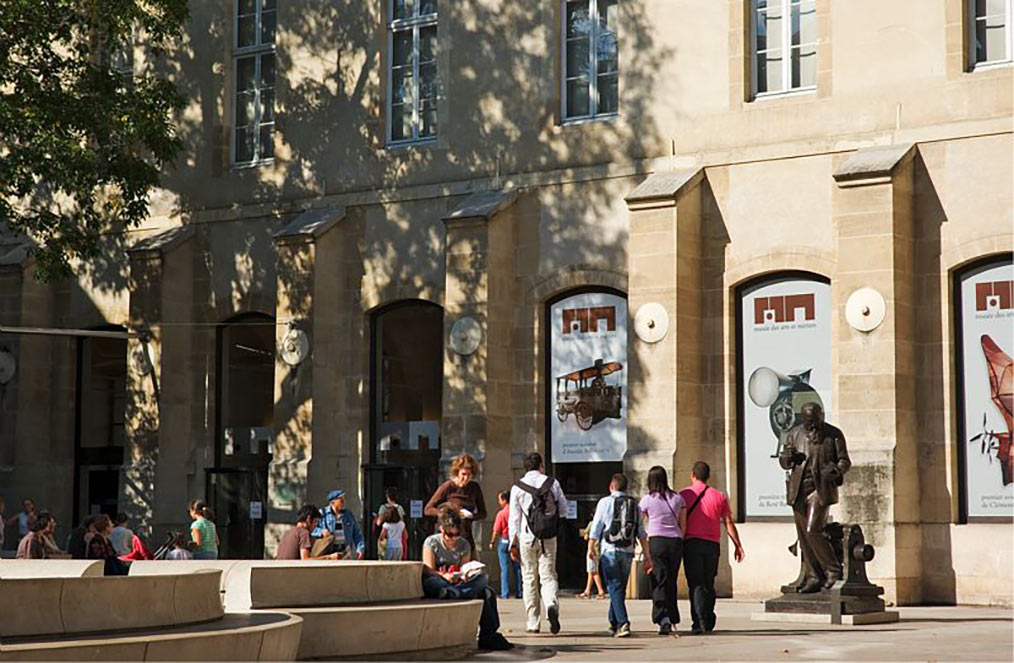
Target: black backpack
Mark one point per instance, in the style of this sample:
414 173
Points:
623 529
543 517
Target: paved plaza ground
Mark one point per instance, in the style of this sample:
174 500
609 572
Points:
923 634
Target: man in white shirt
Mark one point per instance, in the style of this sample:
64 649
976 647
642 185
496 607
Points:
537 555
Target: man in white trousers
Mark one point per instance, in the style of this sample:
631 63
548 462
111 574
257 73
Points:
537 549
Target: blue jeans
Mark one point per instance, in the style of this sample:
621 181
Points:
205 554
616 573
508 568
476 588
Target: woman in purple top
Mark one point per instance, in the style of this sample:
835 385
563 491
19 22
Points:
666 516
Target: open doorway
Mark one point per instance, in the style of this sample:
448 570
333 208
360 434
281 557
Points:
407 354
101 398
237 485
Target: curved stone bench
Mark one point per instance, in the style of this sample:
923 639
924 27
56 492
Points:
61 606
235 637
417 629
349 609
51 568
252 584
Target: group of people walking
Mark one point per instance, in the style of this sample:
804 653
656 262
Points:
672 528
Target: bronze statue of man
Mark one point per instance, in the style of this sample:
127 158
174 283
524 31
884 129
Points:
817 460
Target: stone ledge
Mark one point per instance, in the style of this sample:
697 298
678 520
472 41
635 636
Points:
873 165
663 188
163 242
311 224
482 206
886 617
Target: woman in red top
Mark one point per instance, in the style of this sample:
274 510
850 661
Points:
500 539
461 492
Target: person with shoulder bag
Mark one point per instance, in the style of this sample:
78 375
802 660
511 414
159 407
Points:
709 508
536 501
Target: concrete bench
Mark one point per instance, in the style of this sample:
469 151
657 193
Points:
51 568
61 606
253 584
242 637
349 609
418 629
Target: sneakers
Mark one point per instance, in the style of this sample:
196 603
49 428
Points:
623 631
495 642
554 619
665 628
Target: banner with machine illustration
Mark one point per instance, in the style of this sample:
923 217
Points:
588 378
785 362
986 317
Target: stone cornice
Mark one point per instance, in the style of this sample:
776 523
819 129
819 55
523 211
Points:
310 225
873 165
481 206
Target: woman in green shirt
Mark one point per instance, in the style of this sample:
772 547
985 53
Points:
202 531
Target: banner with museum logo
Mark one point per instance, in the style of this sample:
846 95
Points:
784 362
986 318
588 378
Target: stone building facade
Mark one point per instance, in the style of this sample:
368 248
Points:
369 229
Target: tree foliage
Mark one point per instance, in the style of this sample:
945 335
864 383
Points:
84 130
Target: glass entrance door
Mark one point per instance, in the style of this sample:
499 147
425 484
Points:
237 498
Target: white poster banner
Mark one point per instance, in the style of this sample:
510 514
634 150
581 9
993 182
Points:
786 363
987 345
588 378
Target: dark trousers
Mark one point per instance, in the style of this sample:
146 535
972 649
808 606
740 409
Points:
700 559
477 588
666 555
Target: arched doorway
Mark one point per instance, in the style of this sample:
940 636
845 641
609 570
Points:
406 394
237 485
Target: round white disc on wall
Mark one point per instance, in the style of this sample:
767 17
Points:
465 335
651 323
865 309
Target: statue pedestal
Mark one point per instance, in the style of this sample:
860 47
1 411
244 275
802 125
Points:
852 600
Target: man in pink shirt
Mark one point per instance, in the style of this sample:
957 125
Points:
707 508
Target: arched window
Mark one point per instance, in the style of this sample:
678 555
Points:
585 383
783 334
984 347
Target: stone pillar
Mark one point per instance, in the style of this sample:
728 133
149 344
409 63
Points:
664 402
154 395
477 392
873 208
306 301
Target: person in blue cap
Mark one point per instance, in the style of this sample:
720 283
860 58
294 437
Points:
338 525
